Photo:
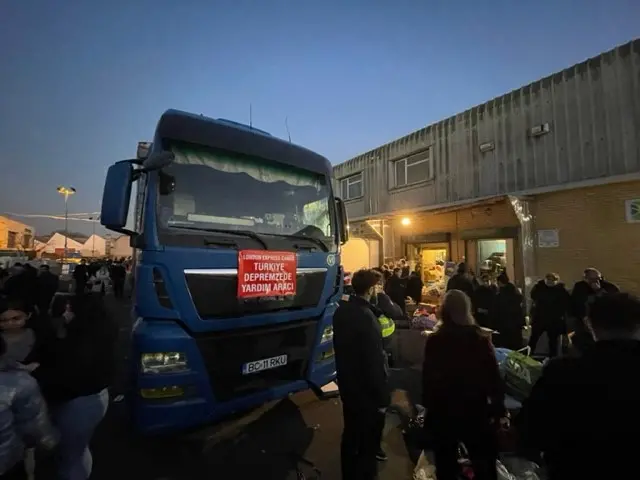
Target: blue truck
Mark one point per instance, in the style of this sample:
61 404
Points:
236 237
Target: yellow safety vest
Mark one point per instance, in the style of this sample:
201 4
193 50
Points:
388 326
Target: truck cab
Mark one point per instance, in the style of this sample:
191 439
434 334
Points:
237 239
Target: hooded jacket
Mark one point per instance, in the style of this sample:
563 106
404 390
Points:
24 421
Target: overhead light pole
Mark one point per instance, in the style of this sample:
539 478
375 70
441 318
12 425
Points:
66 192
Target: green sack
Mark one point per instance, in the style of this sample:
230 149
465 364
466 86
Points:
521 374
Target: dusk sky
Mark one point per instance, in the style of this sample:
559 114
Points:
82 82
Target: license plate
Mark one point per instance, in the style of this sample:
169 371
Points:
264 364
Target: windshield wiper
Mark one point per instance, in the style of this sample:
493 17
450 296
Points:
242 233
317 241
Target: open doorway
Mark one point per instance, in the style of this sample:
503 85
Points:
495 256
430 258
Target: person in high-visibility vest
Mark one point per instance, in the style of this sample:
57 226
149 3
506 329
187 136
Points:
362 377
387 325
386 311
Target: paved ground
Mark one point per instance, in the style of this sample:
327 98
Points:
262 444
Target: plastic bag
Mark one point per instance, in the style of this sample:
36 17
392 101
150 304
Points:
425 468
503 473
502 354
521 373
522 469
501 357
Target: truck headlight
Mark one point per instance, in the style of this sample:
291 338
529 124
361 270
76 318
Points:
163 362
327 334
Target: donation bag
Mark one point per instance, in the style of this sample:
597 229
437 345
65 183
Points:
521 372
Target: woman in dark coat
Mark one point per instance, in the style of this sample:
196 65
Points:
462 391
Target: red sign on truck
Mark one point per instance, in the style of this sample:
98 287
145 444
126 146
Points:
266 274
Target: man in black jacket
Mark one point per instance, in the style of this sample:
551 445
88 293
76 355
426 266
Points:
509 314
551 304
81 277
396 288
47 287
462 280
583 294
362 378
583 412
21 284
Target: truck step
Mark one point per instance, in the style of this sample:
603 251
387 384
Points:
330 390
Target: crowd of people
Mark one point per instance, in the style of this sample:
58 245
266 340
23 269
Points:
498 305
56 363
582 399
555 311
97 276
401 283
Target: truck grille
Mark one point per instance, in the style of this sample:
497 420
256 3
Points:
224 355
215 295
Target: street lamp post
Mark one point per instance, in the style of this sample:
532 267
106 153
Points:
66 192
93 236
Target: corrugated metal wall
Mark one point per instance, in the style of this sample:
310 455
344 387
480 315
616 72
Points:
593 112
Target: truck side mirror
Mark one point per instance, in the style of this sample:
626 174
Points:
116 196
343 221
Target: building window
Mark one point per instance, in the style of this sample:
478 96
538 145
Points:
12 240
351 187
26 241
413 169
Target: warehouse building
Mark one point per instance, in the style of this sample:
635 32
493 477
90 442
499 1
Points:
15 236
544 178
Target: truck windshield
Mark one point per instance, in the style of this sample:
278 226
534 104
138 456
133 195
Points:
214 189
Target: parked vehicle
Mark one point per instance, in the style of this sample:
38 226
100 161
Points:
237 269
